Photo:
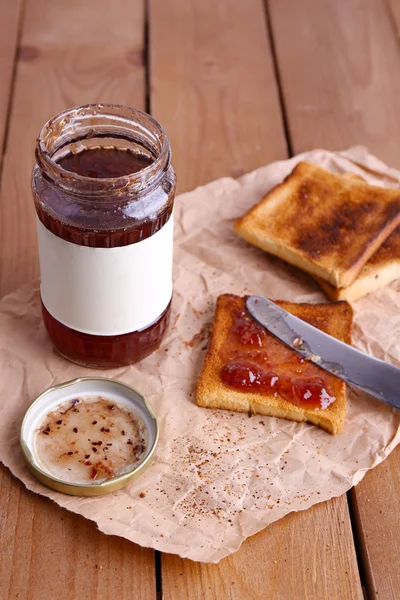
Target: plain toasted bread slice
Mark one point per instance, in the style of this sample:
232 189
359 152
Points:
335 319
323 223
382 268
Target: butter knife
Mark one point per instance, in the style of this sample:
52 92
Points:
376 377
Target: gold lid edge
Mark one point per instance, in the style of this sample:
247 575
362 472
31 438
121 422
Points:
80 489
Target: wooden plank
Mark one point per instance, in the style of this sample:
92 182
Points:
394 11
9 19
376 513
213 87
346 93
72 53
339 65
49 553
288 560
104 62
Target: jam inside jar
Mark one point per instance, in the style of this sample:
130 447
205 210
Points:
104 190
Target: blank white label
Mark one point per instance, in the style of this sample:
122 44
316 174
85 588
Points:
106 291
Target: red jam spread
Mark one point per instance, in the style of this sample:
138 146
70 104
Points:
254 361
104 162
103 351
98 163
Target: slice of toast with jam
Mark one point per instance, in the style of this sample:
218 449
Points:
247 369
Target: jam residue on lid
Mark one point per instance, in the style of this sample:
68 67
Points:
254 361
89 440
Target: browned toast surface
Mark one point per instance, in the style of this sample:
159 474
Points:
382 268
322 222
224 351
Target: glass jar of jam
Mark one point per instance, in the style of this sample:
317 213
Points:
104 189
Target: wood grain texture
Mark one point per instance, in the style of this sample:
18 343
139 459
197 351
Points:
104 63
335 99
378 519
376 513
339 64
303 556
46 551
394 11
9 19
213 87
49 553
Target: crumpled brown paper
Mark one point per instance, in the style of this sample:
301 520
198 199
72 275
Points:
217 477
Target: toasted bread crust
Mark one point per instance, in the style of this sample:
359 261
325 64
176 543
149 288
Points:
382 268
335 319
324 223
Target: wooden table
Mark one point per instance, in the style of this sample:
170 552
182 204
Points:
237 84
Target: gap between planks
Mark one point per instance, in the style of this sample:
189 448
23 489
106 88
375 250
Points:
10 34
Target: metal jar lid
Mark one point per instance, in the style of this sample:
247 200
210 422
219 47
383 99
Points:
122 395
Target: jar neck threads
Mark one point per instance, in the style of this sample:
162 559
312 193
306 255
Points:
103 126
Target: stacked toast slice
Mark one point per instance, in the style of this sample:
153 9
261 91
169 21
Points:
382 268
336 227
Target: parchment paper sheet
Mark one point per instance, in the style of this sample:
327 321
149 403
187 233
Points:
217 477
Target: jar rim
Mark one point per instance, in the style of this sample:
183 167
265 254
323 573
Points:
45 157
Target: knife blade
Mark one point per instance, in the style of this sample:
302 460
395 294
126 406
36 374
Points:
376 377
